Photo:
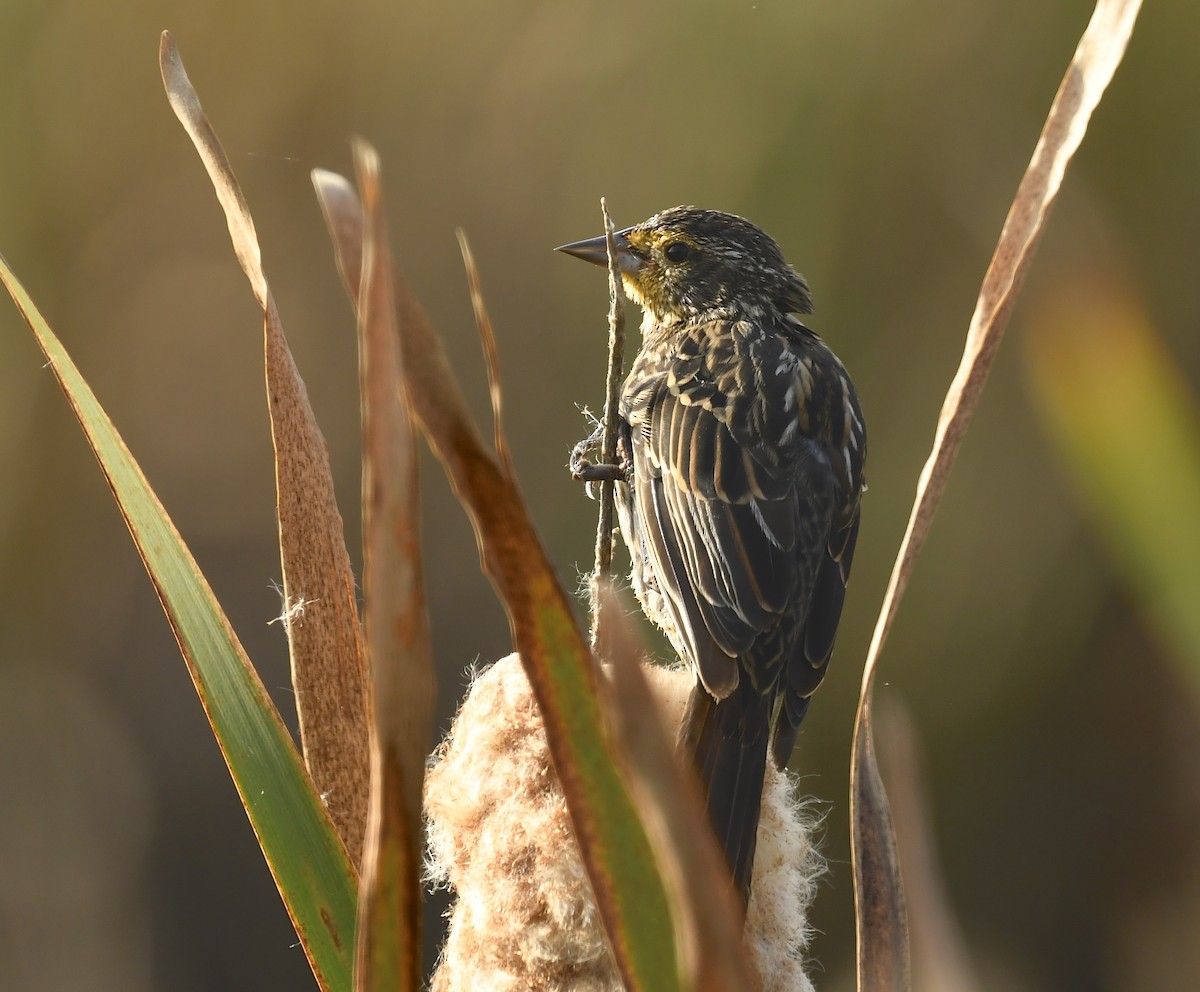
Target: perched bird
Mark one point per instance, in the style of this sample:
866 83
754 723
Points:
742 447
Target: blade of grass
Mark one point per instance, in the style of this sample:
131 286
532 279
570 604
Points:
389 913
320 611
882 938
302 849
629 892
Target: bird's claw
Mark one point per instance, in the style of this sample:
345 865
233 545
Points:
583 469
580 463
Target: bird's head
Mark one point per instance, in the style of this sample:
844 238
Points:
685 262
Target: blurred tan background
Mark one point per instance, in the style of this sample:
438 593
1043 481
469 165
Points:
879 142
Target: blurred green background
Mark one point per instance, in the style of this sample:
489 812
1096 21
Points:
880 143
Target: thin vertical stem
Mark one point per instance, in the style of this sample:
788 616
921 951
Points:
608 444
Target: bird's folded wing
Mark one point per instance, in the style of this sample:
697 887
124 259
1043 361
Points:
720 529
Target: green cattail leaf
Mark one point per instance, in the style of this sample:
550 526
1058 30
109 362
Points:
303 851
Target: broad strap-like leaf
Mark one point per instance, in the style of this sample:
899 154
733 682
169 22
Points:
302 849
320 612
388 956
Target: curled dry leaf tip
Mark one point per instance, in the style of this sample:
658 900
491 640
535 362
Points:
491 351
882 939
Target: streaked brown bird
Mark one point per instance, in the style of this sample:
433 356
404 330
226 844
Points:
742 447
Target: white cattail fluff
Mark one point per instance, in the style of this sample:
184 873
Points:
500 838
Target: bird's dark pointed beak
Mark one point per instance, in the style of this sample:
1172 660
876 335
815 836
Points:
594 250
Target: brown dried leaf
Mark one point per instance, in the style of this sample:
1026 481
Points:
881 916
559 666
397 630
491 353
940 957
320 612
882 939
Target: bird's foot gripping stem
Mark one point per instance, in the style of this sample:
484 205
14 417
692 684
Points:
583 469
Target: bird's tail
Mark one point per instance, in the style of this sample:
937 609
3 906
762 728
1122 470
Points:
728 740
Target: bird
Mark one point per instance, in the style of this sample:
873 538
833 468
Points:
741 450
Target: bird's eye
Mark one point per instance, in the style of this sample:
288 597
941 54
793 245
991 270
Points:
677 251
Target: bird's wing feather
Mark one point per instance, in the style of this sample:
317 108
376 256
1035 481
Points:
814 647
810 658
721 525
825 611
